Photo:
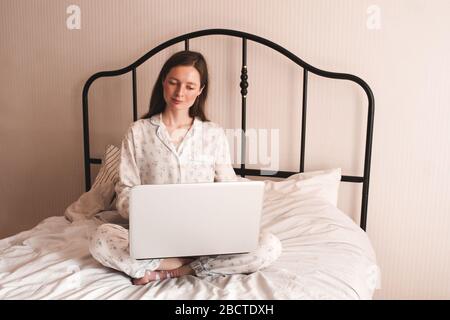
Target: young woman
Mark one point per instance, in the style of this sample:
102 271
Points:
175 143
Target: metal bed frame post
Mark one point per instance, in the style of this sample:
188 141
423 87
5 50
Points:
87 159
134 95
304 105
244 86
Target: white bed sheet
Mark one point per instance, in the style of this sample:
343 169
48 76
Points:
325 256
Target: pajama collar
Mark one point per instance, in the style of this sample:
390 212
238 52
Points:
162 134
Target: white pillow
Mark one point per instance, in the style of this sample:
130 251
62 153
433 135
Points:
322 183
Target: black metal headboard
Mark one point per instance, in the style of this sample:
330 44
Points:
244 84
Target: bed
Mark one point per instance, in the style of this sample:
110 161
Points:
326 255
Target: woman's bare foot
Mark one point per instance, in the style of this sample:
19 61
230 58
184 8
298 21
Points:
185 261
161 275
173 263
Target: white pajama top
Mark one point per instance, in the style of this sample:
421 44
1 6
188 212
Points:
148 156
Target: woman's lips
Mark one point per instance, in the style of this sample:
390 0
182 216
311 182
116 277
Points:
176 101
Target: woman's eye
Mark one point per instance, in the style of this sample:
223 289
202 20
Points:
190 88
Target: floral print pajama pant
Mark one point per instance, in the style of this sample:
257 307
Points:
109 246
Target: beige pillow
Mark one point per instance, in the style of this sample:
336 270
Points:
92 202
110 166
101 196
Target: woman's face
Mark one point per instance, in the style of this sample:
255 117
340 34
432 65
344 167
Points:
181 87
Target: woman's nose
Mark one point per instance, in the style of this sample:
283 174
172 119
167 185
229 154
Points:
179 91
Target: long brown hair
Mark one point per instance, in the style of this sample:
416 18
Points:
182 58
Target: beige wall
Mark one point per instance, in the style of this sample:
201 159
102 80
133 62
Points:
44 66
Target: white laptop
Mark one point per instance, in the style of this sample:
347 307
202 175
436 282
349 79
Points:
180 220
